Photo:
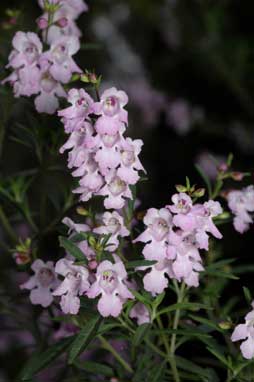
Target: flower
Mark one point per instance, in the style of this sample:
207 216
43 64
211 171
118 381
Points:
111 104
155 281
110 285
246 332
27 49
158 224
75 284
141 313
60 55
241 203
113 225
42 283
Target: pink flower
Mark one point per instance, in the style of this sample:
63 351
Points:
74 115
27 49
112 104
116 191
50 90
245 332
182 207
73 227
110 284
130 163
158 224
241 203
113 225
60 55
75 284
186 260
42 283
141 313
155 281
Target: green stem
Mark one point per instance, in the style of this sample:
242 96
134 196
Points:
170 355
180 296
7 227
106 345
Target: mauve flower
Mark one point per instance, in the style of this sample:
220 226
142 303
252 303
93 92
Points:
141 313
75 284
156 281
60 55
42 283
241 204
158 224
111 104
113 225
110 284
27 49
245 332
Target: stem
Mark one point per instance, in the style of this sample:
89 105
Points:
170 355
180 296
106 345
8 229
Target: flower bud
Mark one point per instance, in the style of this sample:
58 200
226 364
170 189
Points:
180 188
225 325
62 23
199 193
223 167
92 241
92 265
84 78
42 23
238 176
82 211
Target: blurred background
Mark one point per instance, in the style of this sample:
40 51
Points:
188 69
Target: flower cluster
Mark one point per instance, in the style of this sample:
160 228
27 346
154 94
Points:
241 203
246 332
106 162
173 238
43 73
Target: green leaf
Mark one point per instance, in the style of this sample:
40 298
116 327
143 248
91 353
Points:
206 322
140 333
220 356
140 263
41 360
95 368
72 249
247 295
84 337
221 274
159 372
184 306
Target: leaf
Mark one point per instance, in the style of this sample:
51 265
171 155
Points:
72 249
140 297
84 337
219 356
187 365
221 274
41 360
95 368
159 371
140 263
184 306
247 295
206 322
140 333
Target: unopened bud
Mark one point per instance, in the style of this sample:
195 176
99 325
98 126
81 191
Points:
223 167
180 188
93 78
63 22
92 241
82 211
42 23
199 193
225 325
84 78
92 265
238 176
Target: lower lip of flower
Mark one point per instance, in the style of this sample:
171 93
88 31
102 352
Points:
117 186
